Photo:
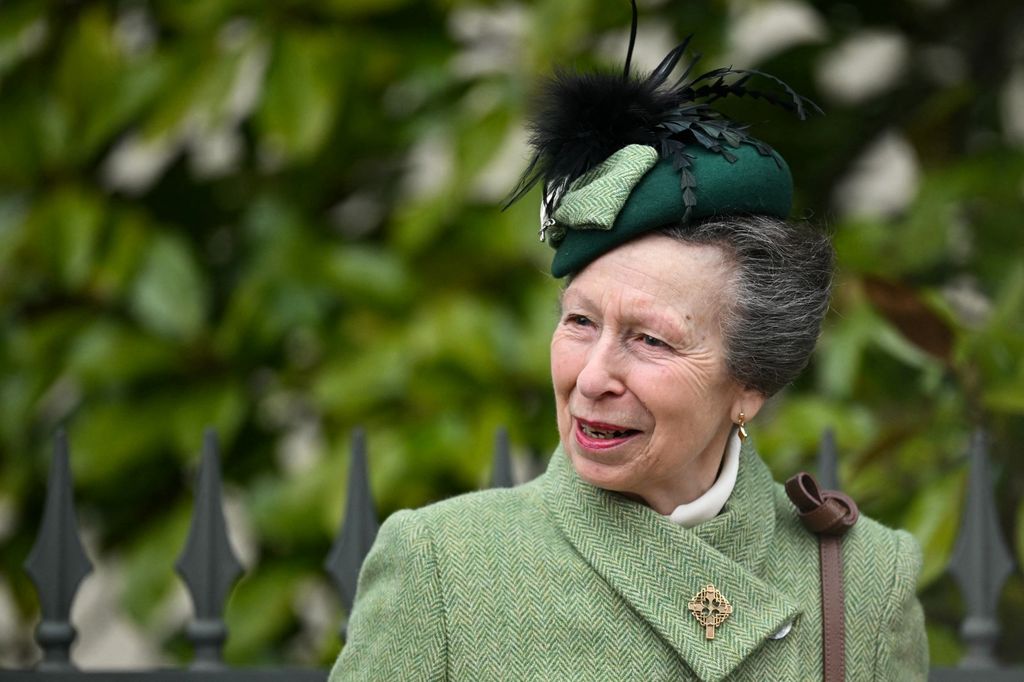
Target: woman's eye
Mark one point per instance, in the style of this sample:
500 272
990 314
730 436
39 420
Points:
653 342
579 320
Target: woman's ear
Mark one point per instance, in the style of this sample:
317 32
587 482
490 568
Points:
748 402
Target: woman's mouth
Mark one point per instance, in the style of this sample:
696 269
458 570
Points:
599 436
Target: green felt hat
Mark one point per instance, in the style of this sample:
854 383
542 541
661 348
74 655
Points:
619 155
635 191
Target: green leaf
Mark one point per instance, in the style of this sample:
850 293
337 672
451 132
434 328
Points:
482 129
260 612
112 439
1009 305
359 8
169 295
109 353
839 353
302 95
368 275
65 230
417 224
352 385
136 89
125 248
26 150
219 404
115 437
198 18
933 518
795 431
996 352
23 32
149 562
944 645
88 79
291 511
1007 398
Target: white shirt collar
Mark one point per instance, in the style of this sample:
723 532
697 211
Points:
708 505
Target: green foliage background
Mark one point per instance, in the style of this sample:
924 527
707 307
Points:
281 219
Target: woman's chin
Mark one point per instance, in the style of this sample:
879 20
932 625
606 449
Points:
603 468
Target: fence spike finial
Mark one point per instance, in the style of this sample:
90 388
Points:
57 563
828 460
357 533
208 563
981 562
501 468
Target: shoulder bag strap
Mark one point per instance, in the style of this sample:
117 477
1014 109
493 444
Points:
828 514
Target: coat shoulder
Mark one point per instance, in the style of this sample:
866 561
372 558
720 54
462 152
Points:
488 516
885 637
875 556
876 559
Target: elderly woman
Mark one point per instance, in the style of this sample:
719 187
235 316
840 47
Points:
656 546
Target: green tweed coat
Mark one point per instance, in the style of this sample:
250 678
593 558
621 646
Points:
558 580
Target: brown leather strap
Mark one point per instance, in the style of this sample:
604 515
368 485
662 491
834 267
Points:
828 514
823 512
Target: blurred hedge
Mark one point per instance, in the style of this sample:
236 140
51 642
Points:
281 219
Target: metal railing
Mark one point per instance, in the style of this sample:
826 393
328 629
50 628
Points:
57 564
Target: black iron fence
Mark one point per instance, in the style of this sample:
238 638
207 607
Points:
57 564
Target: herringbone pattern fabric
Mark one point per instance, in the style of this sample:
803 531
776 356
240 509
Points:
557 580
595 199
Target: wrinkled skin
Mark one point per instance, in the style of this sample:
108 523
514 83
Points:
644 399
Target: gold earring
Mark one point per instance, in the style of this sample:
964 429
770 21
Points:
740 424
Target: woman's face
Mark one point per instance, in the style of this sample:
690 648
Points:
645 402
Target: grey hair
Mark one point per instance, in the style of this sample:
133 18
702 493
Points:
782 278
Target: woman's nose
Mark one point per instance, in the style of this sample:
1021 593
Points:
601 374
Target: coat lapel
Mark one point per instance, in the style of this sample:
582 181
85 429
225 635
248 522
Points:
657 566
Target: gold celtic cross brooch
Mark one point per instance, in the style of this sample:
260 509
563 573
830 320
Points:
710 608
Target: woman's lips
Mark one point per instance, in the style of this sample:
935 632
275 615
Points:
600 435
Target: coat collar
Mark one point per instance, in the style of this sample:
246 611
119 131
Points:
657 566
